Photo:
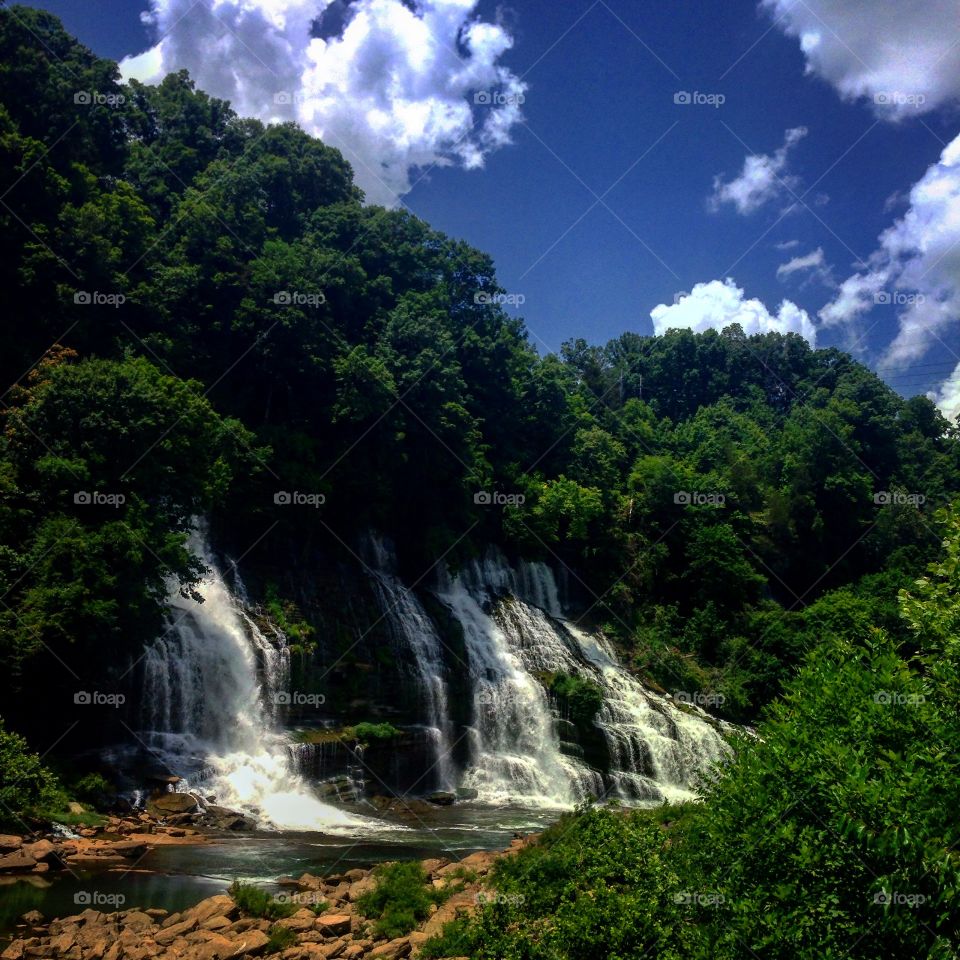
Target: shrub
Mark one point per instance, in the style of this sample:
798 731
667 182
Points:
401 898
258 903
280 939
26 785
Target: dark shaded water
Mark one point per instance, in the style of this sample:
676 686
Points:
176 877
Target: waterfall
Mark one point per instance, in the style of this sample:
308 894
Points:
514 631
210 686
413 629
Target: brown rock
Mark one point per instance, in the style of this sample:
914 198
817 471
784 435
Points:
41 850
300 922
253 941
16 862
353 951
165 803
394 949
15 951
9 842
215 923
157 913
166 935
333 924
221 905
354 875
358 889
125 848
136 918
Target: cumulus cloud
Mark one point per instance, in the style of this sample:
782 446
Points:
947 395
812 265
720 303
395 86
916 268
902 57
763 178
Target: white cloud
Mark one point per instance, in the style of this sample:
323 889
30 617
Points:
901 56
813 265
915 270
763 178
947 395
720 303
392 87
787 245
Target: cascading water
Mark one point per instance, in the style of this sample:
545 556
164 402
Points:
513 632
209 695
515 751
412 627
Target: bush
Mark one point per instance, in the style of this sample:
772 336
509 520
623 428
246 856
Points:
597 884
258 903
280 939
401 898
26 785
579 699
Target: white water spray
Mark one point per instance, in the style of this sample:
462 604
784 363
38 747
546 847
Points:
210 689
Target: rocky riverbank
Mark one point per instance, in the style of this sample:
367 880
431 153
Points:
327 922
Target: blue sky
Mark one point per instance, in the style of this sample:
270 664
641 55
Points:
599 208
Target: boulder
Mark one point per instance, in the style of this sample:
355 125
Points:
15 862
300 922
221 905
9 843
467 793
166 935
442 798
162 804
394 949
125 848
252 942
333 924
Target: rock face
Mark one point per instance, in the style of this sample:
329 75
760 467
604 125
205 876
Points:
327 925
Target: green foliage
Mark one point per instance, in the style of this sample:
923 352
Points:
92 787
401 898
366 732
597 884
578 698
255 902
26 785
280 939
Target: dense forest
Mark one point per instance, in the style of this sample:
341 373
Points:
204 319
